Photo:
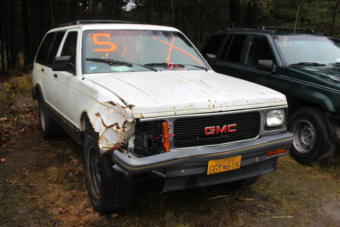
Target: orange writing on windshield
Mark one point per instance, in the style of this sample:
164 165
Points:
111 47
179 49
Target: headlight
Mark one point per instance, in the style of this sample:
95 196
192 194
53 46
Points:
275 118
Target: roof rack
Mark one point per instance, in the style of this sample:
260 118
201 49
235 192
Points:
250 30
287 29
77 22
274 29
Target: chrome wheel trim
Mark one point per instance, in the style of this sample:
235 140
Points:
42 117
304 136
94 173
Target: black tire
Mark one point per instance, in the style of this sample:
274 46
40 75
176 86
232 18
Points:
244 182
109 191
48 127
311 140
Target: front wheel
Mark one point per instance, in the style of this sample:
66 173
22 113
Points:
109 190
311 136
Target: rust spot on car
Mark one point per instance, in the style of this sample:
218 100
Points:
116 125
117 146
112 103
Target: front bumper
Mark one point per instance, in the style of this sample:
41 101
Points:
252 151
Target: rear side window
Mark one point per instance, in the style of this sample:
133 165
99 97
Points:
235 50
70 46
55 46
45 49
214 44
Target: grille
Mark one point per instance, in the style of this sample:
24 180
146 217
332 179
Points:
190 131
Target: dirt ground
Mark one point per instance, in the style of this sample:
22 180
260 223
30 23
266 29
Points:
42 184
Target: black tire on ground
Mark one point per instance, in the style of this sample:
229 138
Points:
48 127
311 136
244 182
109 191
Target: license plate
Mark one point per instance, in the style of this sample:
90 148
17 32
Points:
224 165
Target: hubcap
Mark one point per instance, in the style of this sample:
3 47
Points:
95 172
304 136
42 117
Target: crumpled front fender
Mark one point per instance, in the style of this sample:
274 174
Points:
114 124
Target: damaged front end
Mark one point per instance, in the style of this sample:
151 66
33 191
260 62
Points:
118 130
114 124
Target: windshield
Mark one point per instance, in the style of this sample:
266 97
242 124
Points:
308 49
107 51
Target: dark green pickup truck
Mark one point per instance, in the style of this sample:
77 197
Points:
305 67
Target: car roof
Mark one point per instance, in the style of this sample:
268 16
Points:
270 31
112 26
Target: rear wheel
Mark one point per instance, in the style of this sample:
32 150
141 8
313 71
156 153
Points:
311 136
109 191
48 127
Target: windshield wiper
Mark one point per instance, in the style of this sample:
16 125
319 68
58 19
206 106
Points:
309 64
166 65
198 66
114 62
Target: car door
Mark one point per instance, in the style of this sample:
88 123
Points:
41 67
230 59
260 49
65 80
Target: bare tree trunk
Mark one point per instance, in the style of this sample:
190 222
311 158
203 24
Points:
25 29
235 12
335 12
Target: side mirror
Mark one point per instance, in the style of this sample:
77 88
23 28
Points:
210 56
267 65
63 63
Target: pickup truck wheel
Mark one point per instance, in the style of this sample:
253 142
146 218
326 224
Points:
47 125
109 190
311 137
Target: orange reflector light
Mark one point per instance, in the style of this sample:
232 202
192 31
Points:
166 142
278 151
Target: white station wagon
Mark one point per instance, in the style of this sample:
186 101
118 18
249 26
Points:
141 99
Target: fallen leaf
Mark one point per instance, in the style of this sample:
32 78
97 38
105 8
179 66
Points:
218 197
278 217
2 119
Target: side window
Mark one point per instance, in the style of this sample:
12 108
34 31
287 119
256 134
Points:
55 46
235 50
260 49
70 46
214 44
45 49
225 47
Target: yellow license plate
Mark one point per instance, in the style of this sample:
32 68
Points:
223 165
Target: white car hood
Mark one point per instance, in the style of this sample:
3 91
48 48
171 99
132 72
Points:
168 93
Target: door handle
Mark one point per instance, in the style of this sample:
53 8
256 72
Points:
55 75
42 70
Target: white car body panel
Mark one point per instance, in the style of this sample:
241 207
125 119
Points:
168 93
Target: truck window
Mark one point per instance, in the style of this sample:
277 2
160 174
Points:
214 44
260 49
70 46
235 51
55 46
45 49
